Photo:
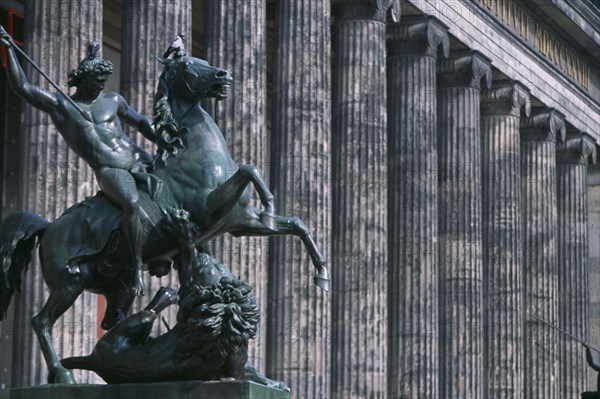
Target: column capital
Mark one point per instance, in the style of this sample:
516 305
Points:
347 10
465 69
544 124
418 36
579 148
505 98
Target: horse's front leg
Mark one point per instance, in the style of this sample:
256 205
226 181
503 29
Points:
284 225
222 199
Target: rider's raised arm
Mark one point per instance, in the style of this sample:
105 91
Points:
133 118
34 95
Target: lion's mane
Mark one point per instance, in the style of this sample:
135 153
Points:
216 322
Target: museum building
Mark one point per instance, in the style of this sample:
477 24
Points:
442 152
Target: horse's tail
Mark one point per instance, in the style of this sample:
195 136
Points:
18 236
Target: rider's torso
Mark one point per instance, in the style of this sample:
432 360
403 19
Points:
101 143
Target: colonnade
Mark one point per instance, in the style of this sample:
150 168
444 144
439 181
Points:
453 212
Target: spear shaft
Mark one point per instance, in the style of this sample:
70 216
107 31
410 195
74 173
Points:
37 68
582 342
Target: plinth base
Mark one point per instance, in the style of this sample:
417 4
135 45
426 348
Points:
161 390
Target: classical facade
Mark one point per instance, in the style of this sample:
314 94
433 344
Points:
443 152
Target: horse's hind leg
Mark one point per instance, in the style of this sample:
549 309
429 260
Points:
284 225
60 300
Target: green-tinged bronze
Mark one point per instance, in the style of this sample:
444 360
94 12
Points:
89 121
93 245
218 315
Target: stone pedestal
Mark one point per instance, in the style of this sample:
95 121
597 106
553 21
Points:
413 207
234 39
460 257
502 238
163 390
148 29
298 328
540 272
359 189
52 178
573 280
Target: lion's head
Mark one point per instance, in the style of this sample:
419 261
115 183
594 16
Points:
216 322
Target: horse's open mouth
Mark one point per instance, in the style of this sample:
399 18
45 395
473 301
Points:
221 90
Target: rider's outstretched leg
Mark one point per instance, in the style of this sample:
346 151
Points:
119 186
133 231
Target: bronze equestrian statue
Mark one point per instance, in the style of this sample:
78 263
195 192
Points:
86 248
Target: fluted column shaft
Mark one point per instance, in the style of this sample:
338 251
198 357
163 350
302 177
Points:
540 273
358 347
413 207
53 178
234 39
149 27
460 279
502 238
573 286
299 313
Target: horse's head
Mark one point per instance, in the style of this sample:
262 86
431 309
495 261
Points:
182 84
192 79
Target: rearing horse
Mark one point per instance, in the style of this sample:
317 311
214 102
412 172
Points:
84 249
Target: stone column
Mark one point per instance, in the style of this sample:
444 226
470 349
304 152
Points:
460 290
298 339
359 189
235 39
53 178
413 207
540 272
502 238
148 28
594 263
573 283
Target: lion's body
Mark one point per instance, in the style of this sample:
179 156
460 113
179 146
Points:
209 341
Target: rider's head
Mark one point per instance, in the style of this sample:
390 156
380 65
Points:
92 69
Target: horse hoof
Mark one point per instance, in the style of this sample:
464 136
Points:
323 283
268 220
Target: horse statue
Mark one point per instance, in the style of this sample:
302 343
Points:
84 249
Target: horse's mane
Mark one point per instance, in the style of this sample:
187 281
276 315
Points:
167 130
216 322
